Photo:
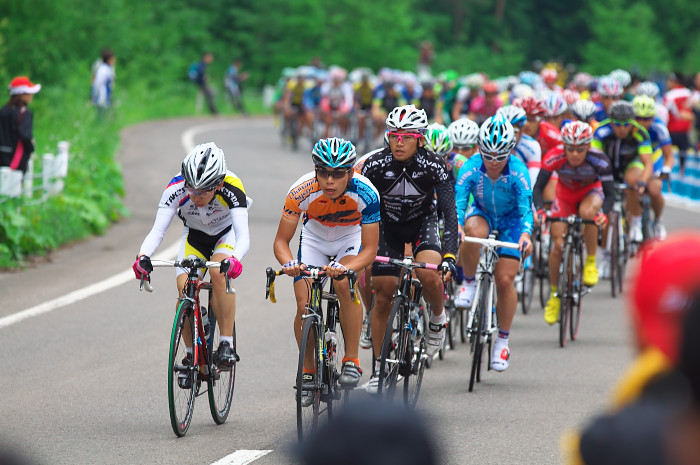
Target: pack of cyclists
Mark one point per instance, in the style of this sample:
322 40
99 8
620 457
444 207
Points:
458 156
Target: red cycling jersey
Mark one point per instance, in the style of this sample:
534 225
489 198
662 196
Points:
548 136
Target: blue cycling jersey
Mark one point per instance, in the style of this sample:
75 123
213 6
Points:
507 201
658 132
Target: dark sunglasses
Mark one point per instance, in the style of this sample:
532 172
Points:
197 192
577 148
324 173
645 118
618 122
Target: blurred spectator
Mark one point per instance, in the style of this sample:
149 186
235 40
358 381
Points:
678 100
426 55
652 392
103 82
232 81
16 125
201 79
370 433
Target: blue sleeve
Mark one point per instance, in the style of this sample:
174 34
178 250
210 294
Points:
465 181
370 197
524 198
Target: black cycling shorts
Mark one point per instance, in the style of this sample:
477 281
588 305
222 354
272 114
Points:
393 238
204 243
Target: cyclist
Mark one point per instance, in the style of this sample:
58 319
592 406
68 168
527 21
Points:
437 139
652 90
584 110
680 119
662 158
337 99
500 185
464 134
485 105
363 101
610 91
340 229
585 185
550 76
212 204
408 177
555 107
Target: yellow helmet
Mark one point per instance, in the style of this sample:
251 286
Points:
644 106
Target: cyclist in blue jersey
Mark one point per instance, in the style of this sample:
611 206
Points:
662 155
500 184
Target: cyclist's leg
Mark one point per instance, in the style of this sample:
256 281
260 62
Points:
633 174
504 278
475 226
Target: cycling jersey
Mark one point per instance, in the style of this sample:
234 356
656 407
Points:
548 136
226 211
408 189
336 97
360 163
600 113
529 152
482 110
659 135
621 152
386 100
454 162
363 96
595 170
507 201
332 219
677 102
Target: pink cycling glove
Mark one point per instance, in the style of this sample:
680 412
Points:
232 267
142 267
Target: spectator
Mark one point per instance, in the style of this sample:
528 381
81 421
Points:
103 82
232 81
652 392
678 100
426 55
371 433
202 81
16 125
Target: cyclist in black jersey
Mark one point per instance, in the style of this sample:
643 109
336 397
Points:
408 177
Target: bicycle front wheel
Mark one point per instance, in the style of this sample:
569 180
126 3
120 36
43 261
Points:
182 372
479 331
615 251
575 316
527 289
393 346
309 409
565 287
220 383
415 358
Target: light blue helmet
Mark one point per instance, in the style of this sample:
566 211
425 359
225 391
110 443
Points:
515 115
334 152
496 135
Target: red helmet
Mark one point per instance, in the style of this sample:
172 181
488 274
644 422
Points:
549 75
571 96
577 133
532 106
490 87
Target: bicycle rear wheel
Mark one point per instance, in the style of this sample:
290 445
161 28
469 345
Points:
181 400
416 360
575 316
308 417
393 346
220 384
527 289
614 245
478 332
565 287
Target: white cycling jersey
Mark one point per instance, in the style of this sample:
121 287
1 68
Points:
226 211
530 152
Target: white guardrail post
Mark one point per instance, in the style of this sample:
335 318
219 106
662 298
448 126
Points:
54 170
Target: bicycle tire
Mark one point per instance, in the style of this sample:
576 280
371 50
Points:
181 401
647 229
220 384
479 332
308 417
455 325
614 253
527 289
415 357
575 316
393 345
565 281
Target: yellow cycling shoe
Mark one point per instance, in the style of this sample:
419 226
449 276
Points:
551 311
590 272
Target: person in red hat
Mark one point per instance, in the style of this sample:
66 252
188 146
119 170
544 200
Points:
653 391
16 124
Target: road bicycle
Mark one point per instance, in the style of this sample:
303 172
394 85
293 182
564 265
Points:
453 316
197 329
618 242
482 323
403 353
570 288
541 240
325 340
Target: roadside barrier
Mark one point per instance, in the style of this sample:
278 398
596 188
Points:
36 187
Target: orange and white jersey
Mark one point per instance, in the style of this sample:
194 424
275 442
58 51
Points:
331 219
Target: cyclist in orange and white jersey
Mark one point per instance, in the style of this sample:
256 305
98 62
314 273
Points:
339 210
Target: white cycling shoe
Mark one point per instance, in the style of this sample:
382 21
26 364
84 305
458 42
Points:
466 295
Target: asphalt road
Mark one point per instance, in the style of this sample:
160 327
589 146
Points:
87 382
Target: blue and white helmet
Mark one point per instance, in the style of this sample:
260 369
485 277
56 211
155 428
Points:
496 135
334 152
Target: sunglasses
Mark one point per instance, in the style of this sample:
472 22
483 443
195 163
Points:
398 137
324 173
617 122
645 118
463 147
494 158
577 148
533 119
198 193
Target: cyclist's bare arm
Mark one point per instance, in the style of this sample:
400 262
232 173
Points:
283 254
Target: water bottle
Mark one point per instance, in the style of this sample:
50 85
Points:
205 322
331 344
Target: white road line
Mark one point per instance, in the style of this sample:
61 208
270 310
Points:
80 294
242 457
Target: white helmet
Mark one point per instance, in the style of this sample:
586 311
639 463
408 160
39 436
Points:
496 135
437 139
407 117
648 88
205 167
464 132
